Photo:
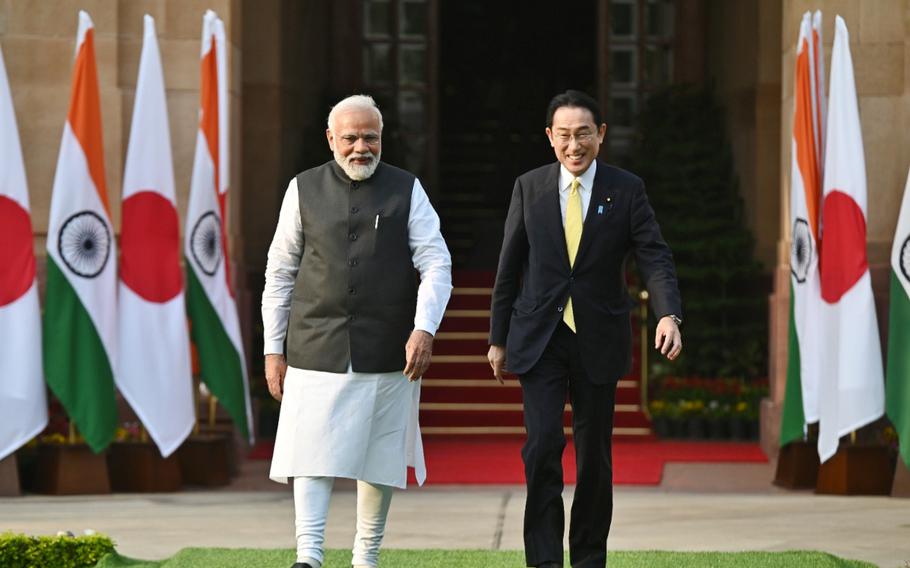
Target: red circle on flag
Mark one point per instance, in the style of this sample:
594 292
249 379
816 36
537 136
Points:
843 248
17 255
150 247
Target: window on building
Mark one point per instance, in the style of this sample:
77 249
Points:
640 62
396 69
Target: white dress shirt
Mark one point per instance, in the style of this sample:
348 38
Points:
565 185
428 252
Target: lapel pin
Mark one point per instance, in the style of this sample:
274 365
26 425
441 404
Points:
600 209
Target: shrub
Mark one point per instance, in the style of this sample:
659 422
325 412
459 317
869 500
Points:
21 551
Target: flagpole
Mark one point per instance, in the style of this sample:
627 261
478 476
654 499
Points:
213 404
196 406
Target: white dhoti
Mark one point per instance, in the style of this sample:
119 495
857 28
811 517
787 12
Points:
354 425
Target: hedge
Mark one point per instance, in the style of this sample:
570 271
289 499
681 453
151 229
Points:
22 551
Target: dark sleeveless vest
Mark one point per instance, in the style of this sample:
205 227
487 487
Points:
356 290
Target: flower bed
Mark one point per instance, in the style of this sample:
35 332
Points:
700 408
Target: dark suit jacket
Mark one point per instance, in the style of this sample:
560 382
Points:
534 280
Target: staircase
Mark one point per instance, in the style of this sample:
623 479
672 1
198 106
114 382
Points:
460 397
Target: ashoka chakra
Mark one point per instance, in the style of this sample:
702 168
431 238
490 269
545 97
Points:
84 243
205 243
905 258
801 250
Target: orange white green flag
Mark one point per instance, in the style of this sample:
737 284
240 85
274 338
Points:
23 404
154 372
897 386
805 344
215 326
851 391
80 314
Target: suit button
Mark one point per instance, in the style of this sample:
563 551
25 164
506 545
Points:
352 291
571 279
559 309
354 185
352 237
352 262
354 210
351 317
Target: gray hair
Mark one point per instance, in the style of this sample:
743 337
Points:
355 102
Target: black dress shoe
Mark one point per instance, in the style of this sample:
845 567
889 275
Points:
549 565
301 565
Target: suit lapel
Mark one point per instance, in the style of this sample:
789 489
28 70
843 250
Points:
553 214
598 209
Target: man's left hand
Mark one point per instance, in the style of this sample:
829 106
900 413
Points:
418 352
667 338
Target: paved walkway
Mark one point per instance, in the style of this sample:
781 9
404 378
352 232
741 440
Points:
679 515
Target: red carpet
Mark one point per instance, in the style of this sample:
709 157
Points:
498 461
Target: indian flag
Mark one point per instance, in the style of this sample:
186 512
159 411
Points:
851 392
22 399
80 315
215 327
154 370
897 396
805 347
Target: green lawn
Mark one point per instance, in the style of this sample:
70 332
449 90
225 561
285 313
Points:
391 558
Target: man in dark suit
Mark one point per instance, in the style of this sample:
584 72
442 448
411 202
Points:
560 321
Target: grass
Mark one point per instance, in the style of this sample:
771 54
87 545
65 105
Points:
391 558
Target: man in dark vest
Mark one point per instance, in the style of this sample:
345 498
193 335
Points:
341 291
560 321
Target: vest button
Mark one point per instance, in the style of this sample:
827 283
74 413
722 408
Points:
354 210
559 309
351 317
353 236
354 185
352 291
352 262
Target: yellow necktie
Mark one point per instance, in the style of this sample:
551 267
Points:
573 238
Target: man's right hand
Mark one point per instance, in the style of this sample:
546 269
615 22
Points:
497 357
275 368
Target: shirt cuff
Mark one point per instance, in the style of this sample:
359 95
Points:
274 348
425 325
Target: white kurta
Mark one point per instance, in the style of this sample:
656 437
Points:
357 425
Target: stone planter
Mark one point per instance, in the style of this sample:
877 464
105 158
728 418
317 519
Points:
719 429
9 476
696 428
739 428
797 466
857 470
661 426
64 469
901 485
137 467
205 460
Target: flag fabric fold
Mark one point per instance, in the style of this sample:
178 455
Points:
805 341
80 315
215 326
897 385
23 403
154 371
851 392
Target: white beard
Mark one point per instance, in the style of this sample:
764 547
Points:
357 172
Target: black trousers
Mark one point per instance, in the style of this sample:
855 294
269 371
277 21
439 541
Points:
544 389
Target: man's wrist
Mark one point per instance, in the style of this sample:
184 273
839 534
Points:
676 319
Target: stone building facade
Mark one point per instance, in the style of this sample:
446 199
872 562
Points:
290 59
